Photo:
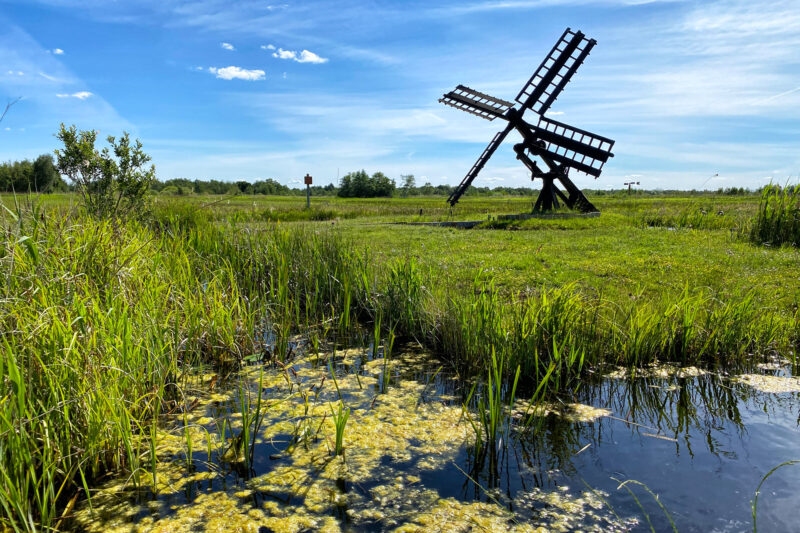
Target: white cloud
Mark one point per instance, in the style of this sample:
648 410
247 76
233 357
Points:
80 95
238 73
227 46
310 57
285 54
554 113
268 47
58 51
15 73
304 56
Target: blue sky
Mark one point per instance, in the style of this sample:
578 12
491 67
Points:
696 94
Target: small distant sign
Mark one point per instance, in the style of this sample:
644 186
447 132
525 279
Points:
307 179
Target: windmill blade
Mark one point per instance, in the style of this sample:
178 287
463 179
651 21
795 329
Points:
476 102
574 147
555 71
479 164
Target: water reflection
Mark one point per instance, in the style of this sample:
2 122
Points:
701 441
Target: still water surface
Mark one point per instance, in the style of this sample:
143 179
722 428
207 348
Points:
700 441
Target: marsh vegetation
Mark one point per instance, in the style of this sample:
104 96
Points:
246 353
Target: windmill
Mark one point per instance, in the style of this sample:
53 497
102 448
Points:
558 145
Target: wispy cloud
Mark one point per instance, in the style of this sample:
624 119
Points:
58 51
507 5
268 47
237 73
776 96
303 56
80 95
227 46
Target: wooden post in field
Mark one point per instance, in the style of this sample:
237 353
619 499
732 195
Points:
308 190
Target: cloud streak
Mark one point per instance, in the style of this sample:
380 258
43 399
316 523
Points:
237 73
80 95
304 56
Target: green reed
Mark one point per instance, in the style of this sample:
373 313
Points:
494 405
97 317
754 503
777 221
339 422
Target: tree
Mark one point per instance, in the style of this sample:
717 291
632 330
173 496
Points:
409 183
362 188
427 189
360 185
346 186
112 186
381 185
45 176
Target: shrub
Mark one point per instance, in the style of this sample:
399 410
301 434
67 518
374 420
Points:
112 186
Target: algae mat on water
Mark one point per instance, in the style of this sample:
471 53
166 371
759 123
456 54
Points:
404 443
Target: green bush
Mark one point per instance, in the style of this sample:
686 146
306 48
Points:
112 186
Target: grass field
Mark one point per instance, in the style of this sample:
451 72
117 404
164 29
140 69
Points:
641 247
103 322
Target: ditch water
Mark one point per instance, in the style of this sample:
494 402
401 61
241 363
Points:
701 441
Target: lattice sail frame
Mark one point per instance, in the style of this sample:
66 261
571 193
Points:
574 147
556 70
480 163
476 102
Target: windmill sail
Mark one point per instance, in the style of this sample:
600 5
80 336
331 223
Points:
476 102
479 164
574 147
555 71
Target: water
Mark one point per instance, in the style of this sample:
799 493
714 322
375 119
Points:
700 441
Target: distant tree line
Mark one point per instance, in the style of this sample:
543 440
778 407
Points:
41 175
24 176
357 184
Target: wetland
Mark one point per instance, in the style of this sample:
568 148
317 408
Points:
237 365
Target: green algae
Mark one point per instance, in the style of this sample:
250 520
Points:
770 384
394 439
659 371
572 412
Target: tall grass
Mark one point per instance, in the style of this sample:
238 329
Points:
101 322
98 321
777 221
